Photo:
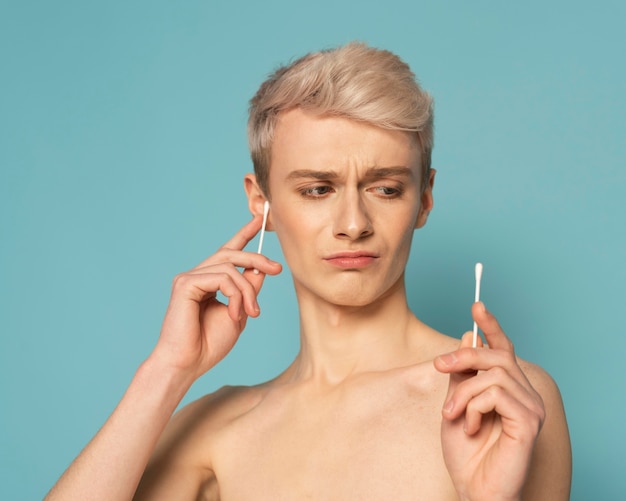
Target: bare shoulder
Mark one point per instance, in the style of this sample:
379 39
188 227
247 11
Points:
222 405
200 421
181 464
541 380
551 469
429 342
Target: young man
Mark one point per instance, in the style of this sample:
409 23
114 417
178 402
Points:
376 405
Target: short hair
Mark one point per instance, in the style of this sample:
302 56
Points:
354 81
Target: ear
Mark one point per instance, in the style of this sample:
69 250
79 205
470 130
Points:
256 199
426 201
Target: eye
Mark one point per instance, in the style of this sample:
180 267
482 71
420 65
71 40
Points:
316 191
387 191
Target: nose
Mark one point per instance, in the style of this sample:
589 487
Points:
352 220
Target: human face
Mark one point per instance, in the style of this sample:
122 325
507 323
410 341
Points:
345 200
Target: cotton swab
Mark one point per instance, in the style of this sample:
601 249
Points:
478 272
266 209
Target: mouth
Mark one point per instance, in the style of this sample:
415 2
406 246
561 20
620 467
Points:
351 259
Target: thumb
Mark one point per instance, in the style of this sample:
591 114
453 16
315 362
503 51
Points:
445 363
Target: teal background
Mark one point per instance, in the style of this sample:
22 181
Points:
122 152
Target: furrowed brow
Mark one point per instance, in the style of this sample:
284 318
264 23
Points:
379 172
312 174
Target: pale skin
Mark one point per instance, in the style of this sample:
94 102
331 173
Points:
376 405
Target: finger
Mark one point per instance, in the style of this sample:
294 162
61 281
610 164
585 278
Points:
461 360
456 377
256 275
476 359
248 283
463 365
235 304
255 279
258 262
494 335
239 292
467 340
236 243
245 234
520 420
201 288
249 304
473 388
446 362
239 259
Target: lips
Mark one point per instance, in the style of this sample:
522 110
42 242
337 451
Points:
351 259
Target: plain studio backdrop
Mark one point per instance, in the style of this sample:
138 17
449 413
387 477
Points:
122 152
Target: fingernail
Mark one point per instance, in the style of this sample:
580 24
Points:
448 359
448 406
256 272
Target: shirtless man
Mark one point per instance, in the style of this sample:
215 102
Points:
376 405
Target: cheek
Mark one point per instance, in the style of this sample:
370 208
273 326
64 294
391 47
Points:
294 232
296 222
403 237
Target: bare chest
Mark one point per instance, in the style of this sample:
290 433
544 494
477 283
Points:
369 442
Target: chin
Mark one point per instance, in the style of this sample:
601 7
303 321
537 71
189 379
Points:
353 296
351 289
352 302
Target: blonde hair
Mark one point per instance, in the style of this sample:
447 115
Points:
354 81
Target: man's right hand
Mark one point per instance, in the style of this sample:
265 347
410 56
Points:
198 329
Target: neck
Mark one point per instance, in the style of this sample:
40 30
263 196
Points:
338 342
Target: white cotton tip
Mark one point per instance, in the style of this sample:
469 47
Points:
478 270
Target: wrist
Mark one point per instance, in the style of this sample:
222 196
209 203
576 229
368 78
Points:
165 382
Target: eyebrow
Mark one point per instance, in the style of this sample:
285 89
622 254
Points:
378 172
315 174
372 173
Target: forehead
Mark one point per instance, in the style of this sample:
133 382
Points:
304 140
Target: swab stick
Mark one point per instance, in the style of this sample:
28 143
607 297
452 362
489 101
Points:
478 272
266 209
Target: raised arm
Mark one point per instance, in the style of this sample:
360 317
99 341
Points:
198 331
